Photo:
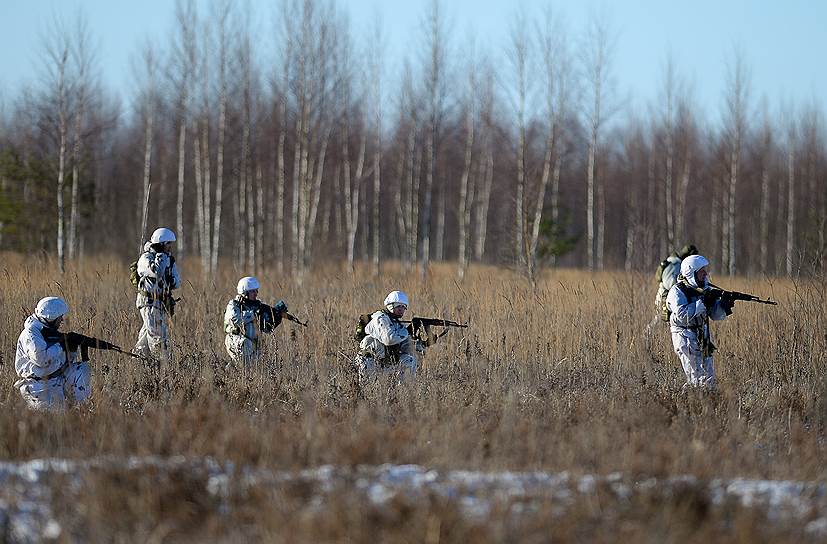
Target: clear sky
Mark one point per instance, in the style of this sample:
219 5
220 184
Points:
784 42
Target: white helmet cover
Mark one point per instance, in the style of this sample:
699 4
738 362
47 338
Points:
50 308
395 298
161 235
247 283
690 265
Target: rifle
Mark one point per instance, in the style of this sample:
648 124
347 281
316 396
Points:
71 341
728 298
270 317
417 323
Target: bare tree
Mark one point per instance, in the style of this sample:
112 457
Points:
596 58
222 16
435 96
765 153
735 127
147 104
465 192
791 143
82 60
181 70
58 89
668 91
375 68
485 165
519 55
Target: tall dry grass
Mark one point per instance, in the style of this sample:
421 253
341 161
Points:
558 378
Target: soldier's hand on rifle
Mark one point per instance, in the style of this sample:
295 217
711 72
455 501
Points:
727 303
710 297
280 307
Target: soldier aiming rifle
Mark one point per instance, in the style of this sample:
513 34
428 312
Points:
389 344
51 374
246 317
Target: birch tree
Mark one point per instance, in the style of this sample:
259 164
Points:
182 65
222 16
147 105
735 127
596 57
435 96
56 100
82 60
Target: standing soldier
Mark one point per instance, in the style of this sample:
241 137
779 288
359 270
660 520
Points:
51 376
387 344
245 317
157 277
691 305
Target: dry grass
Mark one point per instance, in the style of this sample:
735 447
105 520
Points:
561 378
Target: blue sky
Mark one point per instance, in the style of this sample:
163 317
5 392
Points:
784 43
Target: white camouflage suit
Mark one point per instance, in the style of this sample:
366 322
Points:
689 325
158 275
241 323
388 347
50 378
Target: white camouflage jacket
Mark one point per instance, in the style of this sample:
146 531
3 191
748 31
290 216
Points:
35 357
241 319
158 274
387 330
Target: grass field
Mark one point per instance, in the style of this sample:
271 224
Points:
561 378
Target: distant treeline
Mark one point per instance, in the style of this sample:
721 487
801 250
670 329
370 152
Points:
302 144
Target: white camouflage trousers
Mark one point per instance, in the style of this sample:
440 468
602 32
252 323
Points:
153 339
69 388
373 359
241 349
699 369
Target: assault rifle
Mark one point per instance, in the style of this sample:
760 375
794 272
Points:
71 341
269 317
728 298
418 323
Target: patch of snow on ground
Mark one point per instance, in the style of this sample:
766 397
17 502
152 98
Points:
26 501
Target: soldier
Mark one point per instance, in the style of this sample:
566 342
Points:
691 304
52 375
388 344
245 317
157 277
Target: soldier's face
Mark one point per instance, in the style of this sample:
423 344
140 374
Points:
701 275
252 294
399 310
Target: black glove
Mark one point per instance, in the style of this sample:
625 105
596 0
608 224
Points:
727 304
710 297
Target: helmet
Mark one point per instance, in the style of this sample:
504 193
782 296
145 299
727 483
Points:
395 298
690 265
687 250
50 308
247 283
161 235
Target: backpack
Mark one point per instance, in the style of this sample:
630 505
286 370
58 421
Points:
360 333
134 278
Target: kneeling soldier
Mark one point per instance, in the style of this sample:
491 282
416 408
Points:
245 317
388 344
51 374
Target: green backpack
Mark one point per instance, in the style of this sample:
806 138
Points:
134 278
360 334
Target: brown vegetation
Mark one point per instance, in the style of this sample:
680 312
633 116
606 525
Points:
558 378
